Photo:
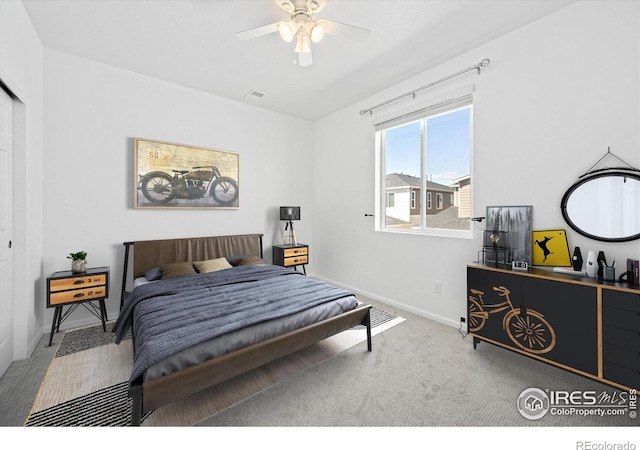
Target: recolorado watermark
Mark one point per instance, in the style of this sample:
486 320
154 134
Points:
588 445
534 403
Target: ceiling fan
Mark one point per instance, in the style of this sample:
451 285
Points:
304 29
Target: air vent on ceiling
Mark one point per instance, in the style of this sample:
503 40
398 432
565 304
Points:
255 94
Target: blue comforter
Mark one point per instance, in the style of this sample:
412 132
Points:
169 316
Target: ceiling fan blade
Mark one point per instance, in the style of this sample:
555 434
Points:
286 5
347 31
257 32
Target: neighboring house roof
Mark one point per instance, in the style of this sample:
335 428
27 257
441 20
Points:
396 180
458 180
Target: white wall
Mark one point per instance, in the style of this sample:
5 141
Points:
21 71
557 93
92 114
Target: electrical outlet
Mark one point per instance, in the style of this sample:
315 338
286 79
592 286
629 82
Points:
437 287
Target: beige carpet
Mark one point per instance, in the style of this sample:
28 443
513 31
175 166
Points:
87 387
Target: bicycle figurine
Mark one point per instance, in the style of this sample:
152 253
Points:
529 331
160 187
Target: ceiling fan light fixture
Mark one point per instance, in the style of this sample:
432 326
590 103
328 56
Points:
287 6
303 28
313 6
317 31
302 43
286 30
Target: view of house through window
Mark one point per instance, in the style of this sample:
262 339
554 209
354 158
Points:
425 163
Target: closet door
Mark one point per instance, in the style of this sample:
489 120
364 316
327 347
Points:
6 228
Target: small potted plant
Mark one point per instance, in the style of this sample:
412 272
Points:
78 261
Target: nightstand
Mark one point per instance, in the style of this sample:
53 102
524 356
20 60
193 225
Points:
72 289
292 255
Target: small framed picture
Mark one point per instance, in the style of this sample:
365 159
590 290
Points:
550 248
513 225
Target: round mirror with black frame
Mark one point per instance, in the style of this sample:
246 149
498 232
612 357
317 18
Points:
605 205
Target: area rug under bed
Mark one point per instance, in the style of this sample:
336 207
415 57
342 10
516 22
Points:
86 383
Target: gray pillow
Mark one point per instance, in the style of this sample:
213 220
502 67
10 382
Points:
176 270
153 274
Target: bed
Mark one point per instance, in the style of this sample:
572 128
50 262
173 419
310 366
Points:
203 310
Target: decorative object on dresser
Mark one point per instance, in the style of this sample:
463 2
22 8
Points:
169 175
512 225
494 248
550 248
602 263
581 325
633 270
78 261
609 272
291 256
577 259
72 289
591 264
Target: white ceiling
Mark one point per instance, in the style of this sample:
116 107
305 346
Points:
192 43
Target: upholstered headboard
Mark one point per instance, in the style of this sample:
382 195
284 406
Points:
149 254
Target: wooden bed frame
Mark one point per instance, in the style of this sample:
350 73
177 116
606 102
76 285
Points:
150 395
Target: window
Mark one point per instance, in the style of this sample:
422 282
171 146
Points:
390 200
424 162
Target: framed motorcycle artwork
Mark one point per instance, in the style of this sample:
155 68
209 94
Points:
169 175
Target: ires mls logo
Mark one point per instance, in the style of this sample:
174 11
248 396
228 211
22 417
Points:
534 403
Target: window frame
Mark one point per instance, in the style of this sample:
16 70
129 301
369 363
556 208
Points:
435 107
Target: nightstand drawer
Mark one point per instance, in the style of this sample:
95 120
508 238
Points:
297 251
302 259
77 295
64 284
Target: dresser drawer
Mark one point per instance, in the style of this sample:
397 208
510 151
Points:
623 375
620 337
302 259
621 318
297 251
64 284
621 356
77 295
621 300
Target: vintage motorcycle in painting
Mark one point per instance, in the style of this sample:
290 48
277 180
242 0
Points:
160 188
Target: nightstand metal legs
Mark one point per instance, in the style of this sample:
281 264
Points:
58 317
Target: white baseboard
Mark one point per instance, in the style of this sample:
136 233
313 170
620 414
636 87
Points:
388 301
